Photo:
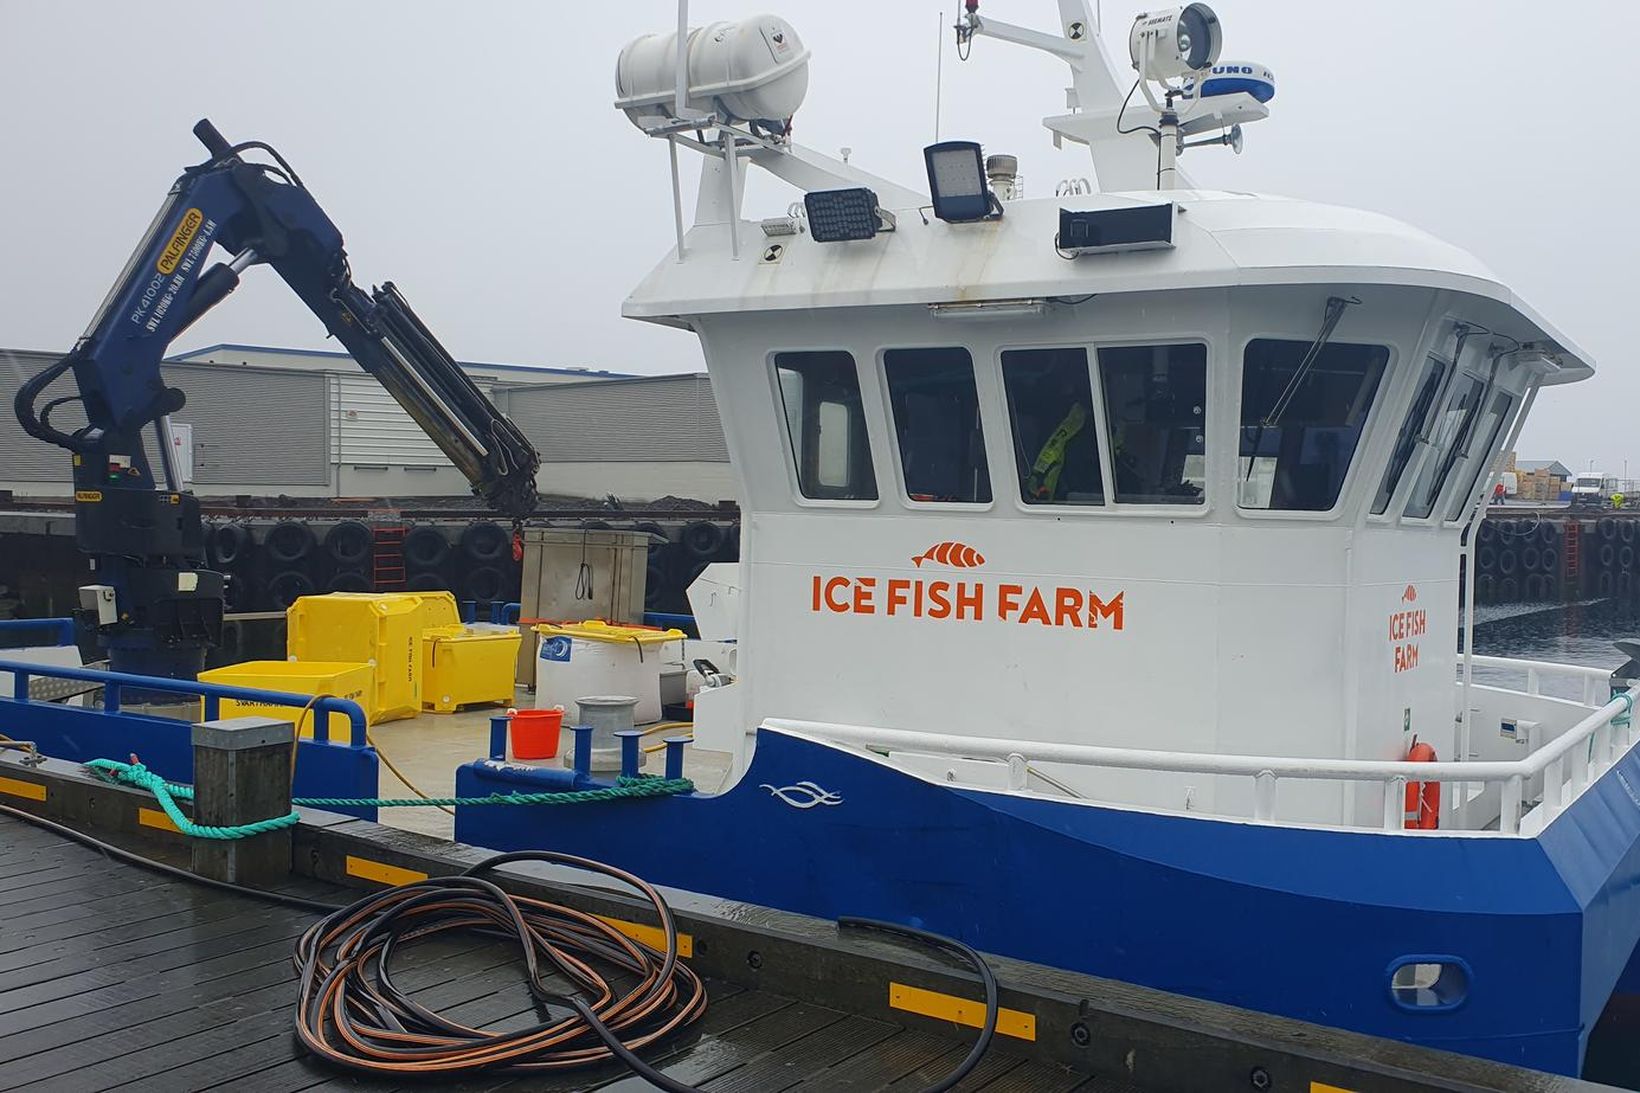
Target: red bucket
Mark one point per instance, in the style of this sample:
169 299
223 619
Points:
535 732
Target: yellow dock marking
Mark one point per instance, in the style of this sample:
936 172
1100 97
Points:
153 817
32 791
381 872
652 936
1323 1087
964 1011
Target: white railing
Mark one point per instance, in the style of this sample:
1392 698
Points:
1595 680
1569 763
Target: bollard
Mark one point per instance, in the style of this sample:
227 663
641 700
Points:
631 757
241 775
581 760
498 736
674 756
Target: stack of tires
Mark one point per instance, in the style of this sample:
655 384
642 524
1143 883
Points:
1611 557
675 563
293 563
426 559
349 550
231 550
1518 561
486 572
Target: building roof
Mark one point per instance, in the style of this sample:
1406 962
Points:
1553 466
525 369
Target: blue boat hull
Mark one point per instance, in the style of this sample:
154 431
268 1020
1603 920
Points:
1307 923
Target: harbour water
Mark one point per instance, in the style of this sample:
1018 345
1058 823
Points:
1576 633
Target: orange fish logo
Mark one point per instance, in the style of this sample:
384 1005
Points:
956 555
1410 595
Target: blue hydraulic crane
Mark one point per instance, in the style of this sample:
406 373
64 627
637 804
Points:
156 609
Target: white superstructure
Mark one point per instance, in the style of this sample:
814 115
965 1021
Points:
1204 498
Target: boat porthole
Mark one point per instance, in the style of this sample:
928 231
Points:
1428 984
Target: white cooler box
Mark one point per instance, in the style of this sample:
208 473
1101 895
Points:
582 659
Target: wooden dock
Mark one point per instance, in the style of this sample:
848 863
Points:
114 976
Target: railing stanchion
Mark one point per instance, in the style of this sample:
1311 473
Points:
1395 796
1580 765
1534 682
1554 785
213 708
1019 774
111 697
20 685
1509 818
1264 795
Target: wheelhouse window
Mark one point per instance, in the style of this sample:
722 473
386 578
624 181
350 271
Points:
1406 442
1447 442
827 425
1302 416
936 419
1480 457
1156 405
1050 407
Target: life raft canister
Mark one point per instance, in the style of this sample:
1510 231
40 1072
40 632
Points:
1423 805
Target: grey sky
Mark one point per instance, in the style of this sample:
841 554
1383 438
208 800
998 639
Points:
470 152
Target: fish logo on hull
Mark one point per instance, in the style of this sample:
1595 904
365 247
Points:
956 555
1410 595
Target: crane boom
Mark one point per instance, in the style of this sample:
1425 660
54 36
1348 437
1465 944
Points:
157 609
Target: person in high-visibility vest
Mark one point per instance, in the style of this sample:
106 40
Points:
1618 499
1043 484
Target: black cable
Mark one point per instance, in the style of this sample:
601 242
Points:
1122 112
120 854
970 956
272 151
364 933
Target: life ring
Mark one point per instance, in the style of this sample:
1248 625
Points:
1423 803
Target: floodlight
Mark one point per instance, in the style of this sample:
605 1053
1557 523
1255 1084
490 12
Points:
1176 42
956 181
836 216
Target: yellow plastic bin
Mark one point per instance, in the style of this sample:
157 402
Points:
463 666
381 628
580 659
338 679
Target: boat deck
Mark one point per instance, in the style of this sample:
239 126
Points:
114 977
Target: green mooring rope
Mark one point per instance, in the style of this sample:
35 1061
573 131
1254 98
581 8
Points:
169 793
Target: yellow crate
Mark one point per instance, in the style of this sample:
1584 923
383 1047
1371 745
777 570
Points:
340 680
463 665
381 628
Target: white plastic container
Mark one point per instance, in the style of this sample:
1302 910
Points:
575 660
755 69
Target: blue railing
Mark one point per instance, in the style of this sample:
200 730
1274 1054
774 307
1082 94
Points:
506 614
63 629
213 694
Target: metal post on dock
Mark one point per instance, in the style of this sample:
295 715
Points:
242 775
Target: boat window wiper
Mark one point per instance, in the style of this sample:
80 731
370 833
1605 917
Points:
1329 323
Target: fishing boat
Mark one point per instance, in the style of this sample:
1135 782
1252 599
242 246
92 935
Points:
1101 564
1099 575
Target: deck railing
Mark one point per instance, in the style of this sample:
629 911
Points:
1568 764
212 694
1595 681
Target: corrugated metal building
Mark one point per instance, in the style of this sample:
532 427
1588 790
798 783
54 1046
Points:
266 420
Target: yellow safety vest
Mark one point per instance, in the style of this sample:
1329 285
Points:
1050 461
